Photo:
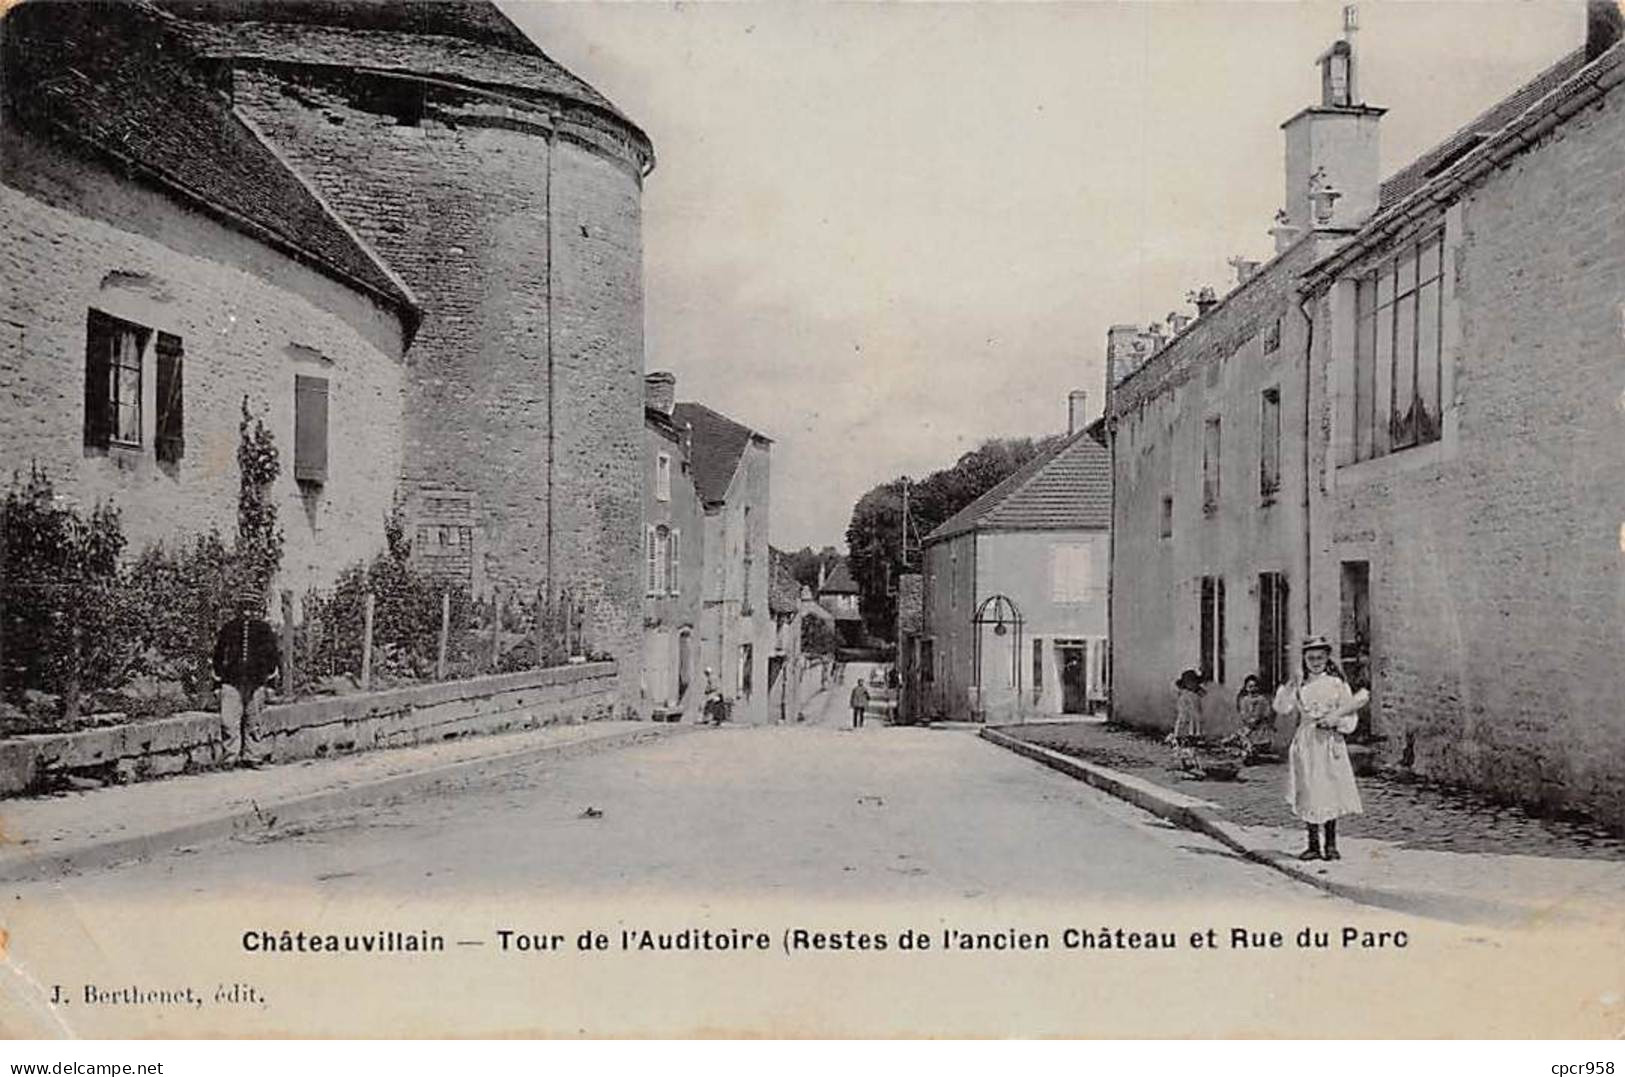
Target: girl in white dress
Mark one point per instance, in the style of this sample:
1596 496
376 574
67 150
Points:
1320 780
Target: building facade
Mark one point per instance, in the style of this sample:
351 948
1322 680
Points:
674 558
1014 594
732 473
1391 434
1467 547
166 274
432 292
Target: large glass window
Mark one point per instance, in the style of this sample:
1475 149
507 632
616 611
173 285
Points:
1397 344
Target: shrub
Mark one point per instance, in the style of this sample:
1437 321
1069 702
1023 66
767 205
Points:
406 620
60 599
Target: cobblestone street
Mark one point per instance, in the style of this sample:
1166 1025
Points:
1414 814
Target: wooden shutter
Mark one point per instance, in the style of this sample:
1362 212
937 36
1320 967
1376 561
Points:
650 553
171 434
674 561
98 372
309 429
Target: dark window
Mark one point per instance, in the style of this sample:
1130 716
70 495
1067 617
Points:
171 432
928 660
1273 630
309 429
1038 669
113 350
1167 517
1397 351
1269 441
1210 466
747 666
1213 637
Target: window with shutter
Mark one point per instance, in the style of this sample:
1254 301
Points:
171 431
309 429
113 352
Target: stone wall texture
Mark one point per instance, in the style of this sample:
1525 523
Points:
1497 590
421 714
524 386
74 238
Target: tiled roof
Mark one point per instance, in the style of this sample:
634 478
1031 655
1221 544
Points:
1067 487
463 40
1503 112
116 80
718 444
840 581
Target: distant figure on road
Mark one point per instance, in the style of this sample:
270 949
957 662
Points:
1320 779
860 702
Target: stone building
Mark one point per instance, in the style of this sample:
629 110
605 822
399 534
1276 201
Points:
732 466
1392 434
838 593
164 269
505 192
674 557
1029 559
451 225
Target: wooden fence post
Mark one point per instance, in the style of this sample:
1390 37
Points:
287 644
366 642
543 614
496 630
445 627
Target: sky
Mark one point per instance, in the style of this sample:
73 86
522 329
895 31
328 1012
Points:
882 233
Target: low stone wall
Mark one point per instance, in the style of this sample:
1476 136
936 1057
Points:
310 729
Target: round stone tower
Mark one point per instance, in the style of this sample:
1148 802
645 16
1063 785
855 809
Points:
505 193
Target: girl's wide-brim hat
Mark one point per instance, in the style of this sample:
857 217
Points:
1316 643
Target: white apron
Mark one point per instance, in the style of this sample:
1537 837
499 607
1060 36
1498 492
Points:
1319 778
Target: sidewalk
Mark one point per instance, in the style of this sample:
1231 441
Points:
1417 848
48 835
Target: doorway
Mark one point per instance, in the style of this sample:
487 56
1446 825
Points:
1355 630
1274 630
1073 660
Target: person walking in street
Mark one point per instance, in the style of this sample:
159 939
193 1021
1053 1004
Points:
1320 779
860 702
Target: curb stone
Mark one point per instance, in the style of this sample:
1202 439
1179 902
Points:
1201 816
260 816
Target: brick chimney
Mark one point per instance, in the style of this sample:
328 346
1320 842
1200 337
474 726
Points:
660 391
1333 170
1605 24
1076 401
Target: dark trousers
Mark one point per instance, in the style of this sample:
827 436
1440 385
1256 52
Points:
857 717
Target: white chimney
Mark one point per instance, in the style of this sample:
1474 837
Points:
1333 170
1076 403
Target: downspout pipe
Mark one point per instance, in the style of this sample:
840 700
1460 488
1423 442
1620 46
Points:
547 286
1308 527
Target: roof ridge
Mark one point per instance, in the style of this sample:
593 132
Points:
971 515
